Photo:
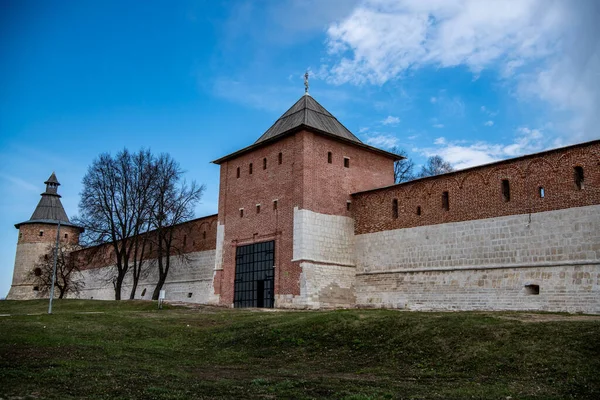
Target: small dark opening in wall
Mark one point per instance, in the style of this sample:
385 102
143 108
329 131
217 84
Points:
265 163
241 212
329 157
238 172
274 204
258 208
505 190
36 288
445 201
184 240
20 235
578 172
250 169
144 292
66 235
532 289
418 210
204 235
395 208
41 233
346 162
280 158
37 272
347 206
189 295
45 257
542 192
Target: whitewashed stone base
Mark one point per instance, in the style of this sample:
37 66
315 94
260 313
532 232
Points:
485 264
189 280
322 286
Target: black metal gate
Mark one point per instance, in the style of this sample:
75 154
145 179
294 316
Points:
254 275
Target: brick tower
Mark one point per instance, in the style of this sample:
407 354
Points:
35 235
285 231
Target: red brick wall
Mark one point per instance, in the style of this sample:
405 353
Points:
327 187
196 235
305 180
30 233
476 193
261 187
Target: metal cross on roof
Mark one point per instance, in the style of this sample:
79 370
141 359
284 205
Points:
306 83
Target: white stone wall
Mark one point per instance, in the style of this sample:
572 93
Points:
218 264
28 254
485 264
192 274
324 246
323 238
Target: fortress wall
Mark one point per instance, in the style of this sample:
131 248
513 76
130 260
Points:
477 193
485 264
192 274
324 247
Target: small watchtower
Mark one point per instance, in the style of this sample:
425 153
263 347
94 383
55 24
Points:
35 235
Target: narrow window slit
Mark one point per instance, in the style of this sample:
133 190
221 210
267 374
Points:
578 171
505 190
395 208
445 201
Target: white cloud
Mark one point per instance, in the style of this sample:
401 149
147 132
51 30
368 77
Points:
489 123
463 155
548 48
391 120
383 140
363 130
381 39
433 100
438 126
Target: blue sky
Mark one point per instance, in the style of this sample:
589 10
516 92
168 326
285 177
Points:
473 81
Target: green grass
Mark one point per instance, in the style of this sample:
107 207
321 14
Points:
130 349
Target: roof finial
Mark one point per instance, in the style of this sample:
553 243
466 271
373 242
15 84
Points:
306 83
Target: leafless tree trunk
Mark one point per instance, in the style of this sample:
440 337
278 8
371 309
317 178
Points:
175 202
115 205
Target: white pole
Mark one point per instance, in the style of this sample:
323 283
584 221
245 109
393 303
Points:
54 269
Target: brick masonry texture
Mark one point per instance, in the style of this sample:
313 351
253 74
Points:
485 264
30 247
476 193
304 181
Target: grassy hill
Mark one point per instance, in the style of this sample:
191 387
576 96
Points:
129 349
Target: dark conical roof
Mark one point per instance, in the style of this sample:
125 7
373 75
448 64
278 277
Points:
50 209
309 113
52 179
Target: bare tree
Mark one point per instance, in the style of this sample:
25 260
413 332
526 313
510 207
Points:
67 281
114 206
175 202
435 165
403 169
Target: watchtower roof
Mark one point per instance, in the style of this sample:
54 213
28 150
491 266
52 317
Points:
49 209
307 114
